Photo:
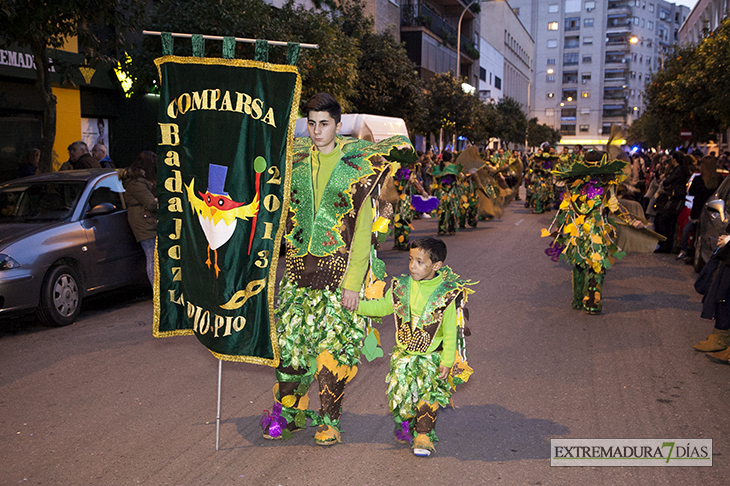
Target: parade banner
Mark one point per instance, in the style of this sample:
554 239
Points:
225 136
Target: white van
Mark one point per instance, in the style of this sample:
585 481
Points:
373 128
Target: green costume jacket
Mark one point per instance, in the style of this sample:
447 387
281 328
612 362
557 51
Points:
424 312
329 247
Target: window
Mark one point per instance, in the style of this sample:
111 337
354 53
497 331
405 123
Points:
552 43
572 42
483 74
587 22
572 6
587 41
570 94
568 113
551 95
606 128
648 60
550 61
570 77
552 26
584 128
587 59
550 78
498 82
590 6
614 57
643 22
650 25
553 8
570 58
567 129
648 43
585 77
663 14
585 94
572 23
651 7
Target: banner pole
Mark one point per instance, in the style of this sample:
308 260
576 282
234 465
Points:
218 417
237 39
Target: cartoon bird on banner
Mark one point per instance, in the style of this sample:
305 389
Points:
218 213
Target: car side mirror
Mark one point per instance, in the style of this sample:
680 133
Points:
718 206
100 210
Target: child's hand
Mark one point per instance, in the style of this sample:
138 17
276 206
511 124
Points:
444 372
350 299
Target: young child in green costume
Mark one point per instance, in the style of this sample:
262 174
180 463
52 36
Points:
427 307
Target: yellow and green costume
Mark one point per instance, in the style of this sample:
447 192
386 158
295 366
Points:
328 240
582 231
429 333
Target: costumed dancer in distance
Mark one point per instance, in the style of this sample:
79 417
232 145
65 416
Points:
428 358
407 184
582 232
541 178
328 240
446 180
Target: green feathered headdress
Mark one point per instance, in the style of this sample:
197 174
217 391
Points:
449 169
594 163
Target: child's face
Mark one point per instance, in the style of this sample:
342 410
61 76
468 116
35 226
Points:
323 130
421 266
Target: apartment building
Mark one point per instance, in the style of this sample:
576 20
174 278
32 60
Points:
593 59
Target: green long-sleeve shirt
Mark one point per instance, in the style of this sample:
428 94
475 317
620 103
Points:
322 167
420 291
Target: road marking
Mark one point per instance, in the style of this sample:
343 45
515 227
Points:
518 222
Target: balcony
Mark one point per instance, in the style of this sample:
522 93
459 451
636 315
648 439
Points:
617 40
422 16
620 6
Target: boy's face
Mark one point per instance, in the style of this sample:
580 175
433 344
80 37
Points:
421 266
322 130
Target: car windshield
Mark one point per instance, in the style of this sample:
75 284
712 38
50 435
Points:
40 201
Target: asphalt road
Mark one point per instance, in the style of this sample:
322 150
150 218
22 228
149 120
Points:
102 402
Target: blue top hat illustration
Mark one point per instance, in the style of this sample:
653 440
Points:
217 179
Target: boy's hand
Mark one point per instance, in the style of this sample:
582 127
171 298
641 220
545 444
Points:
444 372
350 299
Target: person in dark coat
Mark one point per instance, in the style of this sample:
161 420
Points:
701 189
140 195
716 303
29 163
80 158
670 201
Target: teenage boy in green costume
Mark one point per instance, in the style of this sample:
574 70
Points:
425 307
328 238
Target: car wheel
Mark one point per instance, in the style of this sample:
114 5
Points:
60 301
699 261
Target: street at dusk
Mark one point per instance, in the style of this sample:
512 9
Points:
101 402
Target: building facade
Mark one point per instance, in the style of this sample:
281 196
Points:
593 59
502 30
705 16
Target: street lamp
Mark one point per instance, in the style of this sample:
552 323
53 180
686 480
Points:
458 38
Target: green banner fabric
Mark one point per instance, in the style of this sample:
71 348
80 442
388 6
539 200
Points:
225 138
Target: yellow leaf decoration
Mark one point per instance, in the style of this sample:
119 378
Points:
565 204
576 183
579 220
375 291
574 197
596 267
380 225
591 203
586 228
596 239
596 257
613 203
544 233
569 229
289 401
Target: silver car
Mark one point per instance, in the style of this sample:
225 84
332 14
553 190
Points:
64 236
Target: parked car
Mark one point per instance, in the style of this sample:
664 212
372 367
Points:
64 236
712 224
373 128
